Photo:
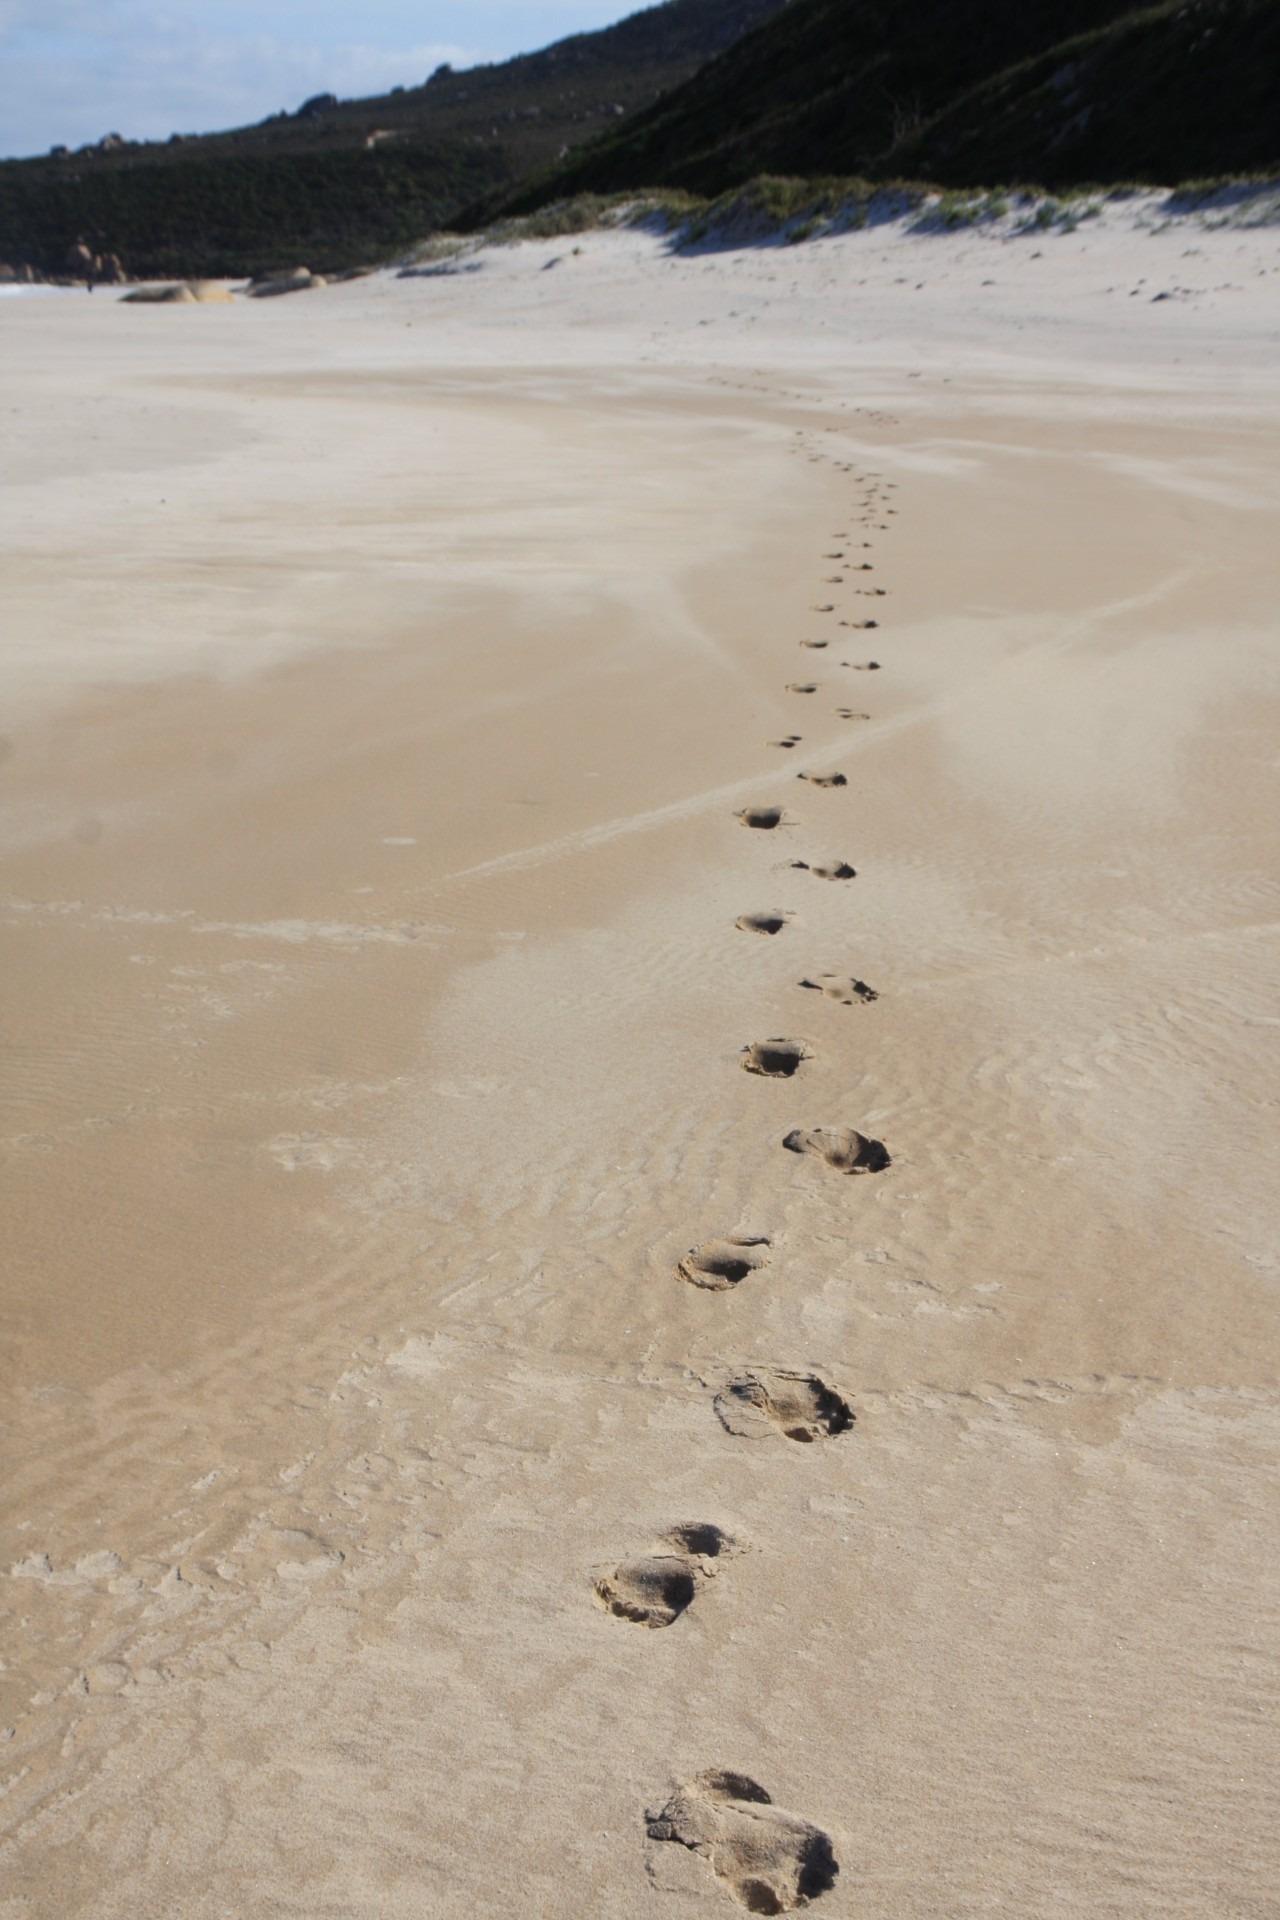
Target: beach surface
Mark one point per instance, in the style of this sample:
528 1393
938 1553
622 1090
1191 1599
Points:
463 1433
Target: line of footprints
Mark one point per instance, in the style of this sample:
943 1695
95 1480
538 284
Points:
768 1859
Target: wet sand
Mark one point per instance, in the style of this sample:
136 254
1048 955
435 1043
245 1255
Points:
392 1524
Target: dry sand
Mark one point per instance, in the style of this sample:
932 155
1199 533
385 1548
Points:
391 1527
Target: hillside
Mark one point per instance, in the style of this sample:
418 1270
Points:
341 182
960 92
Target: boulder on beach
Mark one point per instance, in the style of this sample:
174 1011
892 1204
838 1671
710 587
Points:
297 280
184 293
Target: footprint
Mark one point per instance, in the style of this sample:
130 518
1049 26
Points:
769 1860
839 987
862 666
847 713
826 608
841 1147
799 1406
718 1265
829 870
824 779
764 817
817 645
656 1588
770 920
860 626
779 1059
802 686
790 740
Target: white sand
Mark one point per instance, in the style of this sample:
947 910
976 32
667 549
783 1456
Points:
386 666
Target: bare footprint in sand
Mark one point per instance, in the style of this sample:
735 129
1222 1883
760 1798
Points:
860 626
791 740
778 1059
717 1265
799 1406
824 779
862 666
848 713
825 608
766 818
817 645
828 869
802 686
768 920
841 1147
840 987
656 1588
769 1860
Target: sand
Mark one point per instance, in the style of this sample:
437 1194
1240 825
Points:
458 1461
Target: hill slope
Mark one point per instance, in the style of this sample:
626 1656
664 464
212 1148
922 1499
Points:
961 92
338 183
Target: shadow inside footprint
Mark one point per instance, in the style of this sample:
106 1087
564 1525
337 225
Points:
778 1059
720 1264
653 1591
841 988
792 740
764 817
799 1406
701 1539
824 779
828 869
840 1147
817 645
771 920
769 1860
802 686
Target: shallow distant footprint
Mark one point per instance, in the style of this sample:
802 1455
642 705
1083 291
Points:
824 779
799 1406
765 818
841 987
789 740
848 713
656 1588
769 920
841 1147
802 686
769 1860
862 666
828 869
816 644
825 608
718 1265
779 1059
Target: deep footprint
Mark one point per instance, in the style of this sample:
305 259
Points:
828 869
840 1147
766 818
824 779
841 987
779 1059
653 1591
769 1860
718 1265
799 1406
771 920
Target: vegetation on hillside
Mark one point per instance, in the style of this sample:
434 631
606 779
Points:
340 183
960 92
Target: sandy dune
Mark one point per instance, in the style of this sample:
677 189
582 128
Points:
458 1461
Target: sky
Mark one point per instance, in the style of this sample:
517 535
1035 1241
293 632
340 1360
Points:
72 70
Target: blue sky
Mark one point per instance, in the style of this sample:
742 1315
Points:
72 70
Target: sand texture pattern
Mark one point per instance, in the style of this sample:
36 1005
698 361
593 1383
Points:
562 1356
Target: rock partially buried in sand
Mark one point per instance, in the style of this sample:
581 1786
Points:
841 1147
183 293
298 280
769 1860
